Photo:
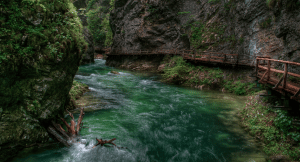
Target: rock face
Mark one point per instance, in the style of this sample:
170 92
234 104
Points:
36 77
88 56
249 28
137 25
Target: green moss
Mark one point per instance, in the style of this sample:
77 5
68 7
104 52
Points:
77 89
38 30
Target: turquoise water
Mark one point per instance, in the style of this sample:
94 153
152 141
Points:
155 121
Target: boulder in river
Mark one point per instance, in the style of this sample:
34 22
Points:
114 72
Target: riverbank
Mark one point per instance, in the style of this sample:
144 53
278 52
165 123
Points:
175 70
274 128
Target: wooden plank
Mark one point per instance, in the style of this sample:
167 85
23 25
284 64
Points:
281 61
269 67
263 76
296 94
256 67
276 86
285 74
279 71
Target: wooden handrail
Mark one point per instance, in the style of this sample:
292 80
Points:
281 61
286 86
279 71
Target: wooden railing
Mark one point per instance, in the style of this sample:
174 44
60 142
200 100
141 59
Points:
234 59
266 76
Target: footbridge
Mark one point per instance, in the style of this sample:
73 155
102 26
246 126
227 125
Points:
264 71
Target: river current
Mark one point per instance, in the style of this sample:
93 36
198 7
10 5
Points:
157 122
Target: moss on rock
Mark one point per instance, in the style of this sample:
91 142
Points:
77 90
41 45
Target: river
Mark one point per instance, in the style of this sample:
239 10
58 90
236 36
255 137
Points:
157 122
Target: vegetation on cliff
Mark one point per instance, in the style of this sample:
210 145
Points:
41 45
36 31
98 21
178 71
274 128
77 90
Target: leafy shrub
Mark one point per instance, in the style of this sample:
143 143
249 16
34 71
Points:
196 36
238 87
177 69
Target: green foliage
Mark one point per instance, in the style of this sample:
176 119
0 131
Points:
274 128
238 87
284 123
266 23
181 13
176 69
77 89
214 1
24 40
151 8
98 23
196 36
91 4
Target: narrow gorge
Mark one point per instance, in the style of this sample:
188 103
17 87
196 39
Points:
58 55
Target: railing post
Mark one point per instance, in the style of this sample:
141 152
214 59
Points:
269 67
285 74
256 67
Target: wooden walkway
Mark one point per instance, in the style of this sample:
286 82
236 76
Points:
264 72
209 57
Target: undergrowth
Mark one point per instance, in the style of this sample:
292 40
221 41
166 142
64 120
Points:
274 127
177 71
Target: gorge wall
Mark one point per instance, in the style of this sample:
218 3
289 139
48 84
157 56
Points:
41 45
249 28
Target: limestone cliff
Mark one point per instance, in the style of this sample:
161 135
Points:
41 46
249 28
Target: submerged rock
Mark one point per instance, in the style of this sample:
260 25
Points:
114 72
